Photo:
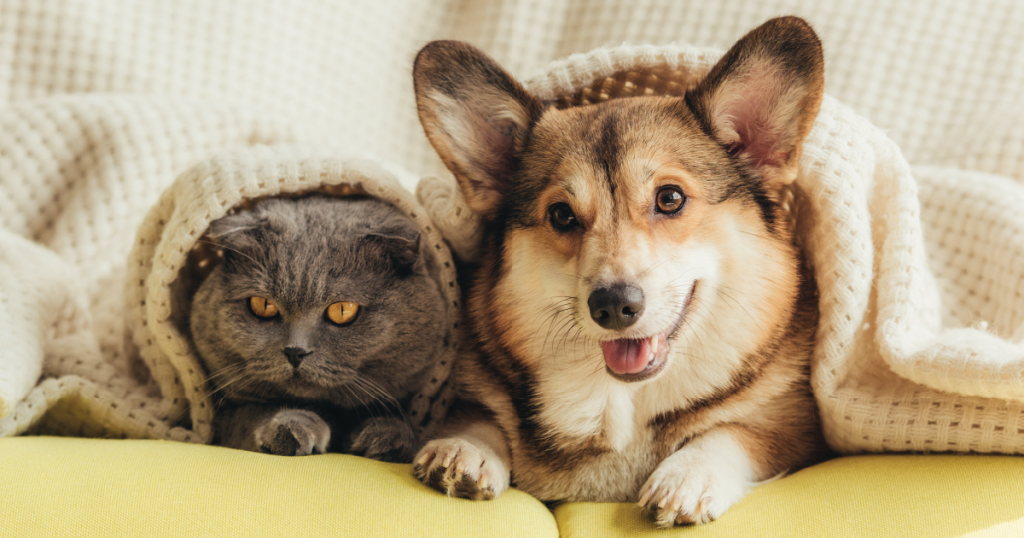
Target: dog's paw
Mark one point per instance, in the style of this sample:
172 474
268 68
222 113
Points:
693 488
384 439
293 432
458 468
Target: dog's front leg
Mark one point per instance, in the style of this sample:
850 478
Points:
700 481
472 461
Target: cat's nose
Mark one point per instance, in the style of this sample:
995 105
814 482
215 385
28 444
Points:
295 355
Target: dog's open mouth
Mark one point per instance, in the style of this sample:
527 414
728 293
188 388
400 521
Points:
636 359
631 357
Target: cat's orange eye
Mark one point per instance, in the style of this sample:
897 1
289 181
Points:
342 313
262 307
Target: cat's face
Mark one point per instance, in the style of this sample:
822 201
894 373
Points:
318 298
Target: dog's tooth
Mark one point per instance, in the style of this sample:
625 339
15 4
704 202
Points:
654 345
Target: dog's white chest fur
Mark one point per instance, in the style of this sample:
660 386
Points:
619 424
589 406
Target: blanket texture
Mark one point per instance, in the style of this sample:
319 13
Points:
919 269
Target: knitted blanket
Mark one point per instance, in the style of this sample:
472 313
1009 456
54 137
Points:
104 104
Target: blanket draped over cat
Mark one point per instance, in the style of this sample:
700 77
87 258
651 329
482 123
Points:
157 387
918 348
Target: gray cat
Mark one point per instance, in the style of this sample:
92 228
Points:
318 327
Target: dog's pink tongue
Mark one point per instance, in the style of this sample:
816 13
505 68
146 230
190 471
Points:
626 356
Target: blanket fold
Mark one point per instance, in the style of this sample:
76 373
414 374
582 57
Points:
32 298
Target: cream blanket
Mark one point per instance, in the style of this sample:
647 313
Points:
920 273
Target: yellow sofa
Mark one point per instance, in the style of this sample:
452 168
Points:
84 488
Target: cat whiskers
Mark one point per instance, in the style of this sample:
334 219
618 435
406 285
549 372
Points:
377 393
235 375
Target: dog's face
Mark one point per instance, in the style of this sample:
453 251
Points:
639 230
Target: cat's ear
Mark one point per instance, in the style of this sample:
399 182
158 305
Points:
476 116
760 100
232 232
403 252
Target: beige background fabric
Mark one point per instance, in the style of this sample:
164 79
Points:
941 78
105 102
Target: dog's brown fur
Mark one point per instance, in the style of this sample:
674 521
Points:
731 404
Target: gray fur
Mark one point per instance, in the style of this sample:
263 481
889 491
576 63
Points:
349 394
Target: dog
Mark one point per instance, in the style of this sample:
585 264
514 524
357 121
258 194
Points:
640 325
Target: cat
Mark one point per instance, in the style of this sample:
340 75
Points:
321 323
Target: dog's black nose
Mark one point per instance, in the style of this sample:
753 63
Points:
295 355
616 307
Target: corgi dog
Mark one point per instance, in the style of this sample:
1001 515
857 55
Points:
640 325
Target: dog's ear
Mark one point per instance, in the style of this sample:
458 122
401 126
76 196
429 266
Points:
476 117
761 98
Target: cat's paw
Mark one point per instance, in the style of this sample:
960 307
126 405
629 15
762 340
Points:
385 439
458 468
293 432
692 488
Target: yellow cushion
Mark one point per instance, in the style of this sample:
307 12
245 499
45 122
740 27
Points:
937 496
84 488
108 488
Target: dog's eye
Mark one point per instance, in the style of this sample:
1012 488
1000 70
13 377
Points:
669 200
342 313
562 217
262 307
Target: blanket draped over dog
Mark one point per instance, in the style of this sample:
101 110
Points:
911 353
919 271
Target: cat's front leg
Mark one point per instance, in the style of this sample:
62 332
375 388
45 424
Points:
698 482
383 438
273 430
293 432
473 461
